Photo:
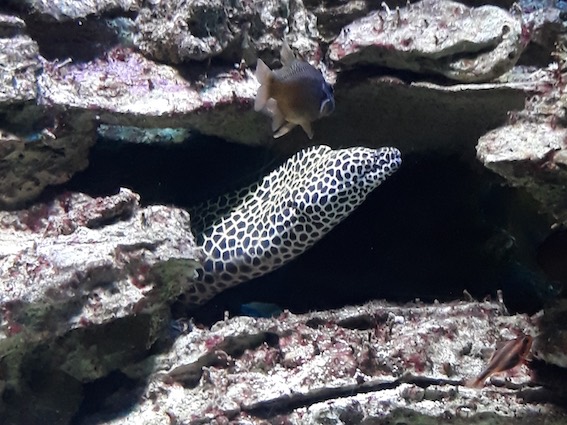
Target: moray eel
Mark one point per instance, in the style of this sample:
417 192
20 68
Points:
258 229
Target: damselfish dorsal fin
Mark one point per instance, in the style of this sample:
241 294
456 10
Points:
286 54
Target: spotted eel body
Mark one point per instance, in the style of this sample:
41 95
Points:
257 229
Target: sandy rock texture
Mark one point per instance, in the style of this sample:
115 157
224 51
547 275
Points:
551 344
73 269
118 86
204 78
19 57
375 363
178 31
128 89
531 149
33 161
447 38
36 150
333 15
533 156
86 281
63 10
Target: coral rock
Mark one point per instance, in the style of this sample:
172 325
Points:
78 260
387 365
179 31
532 155
432 36
19 62
75 9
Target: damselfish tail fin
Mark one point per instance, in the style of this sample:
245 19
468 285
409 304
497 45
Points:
264 77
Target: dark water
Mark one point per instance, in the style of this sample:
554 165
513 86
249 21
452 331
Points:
437 227
432 230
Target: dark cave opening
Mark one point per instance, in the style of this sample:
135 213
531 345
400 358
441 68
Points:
438 227
181 174
433 230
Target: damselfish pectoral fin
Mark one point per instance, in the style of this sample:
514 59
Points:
277 119
284 130
271 107
261 98
307 128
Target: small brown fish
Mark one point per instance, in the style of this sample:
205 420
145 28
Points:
295 94
509 355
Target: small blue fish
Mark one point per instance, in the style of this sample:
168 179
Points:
179 327
295 94
259 309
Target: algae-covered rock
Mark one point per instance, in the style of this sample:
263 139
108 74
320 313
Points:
30 162
440 37
179 31
86 281
74 9
363 364
551 344
84 288
531 155
79 260
19 62
36 150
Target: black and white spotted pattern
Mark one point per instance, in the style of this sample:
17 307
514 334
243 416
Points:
257 229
